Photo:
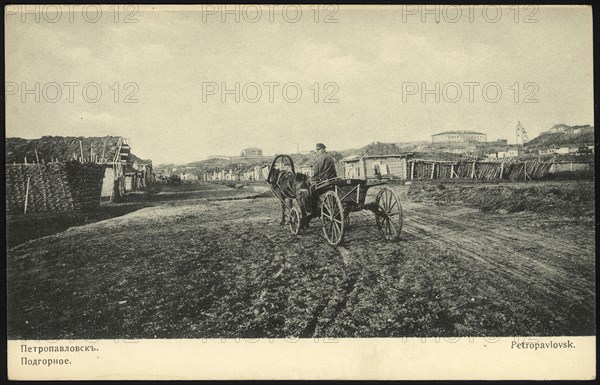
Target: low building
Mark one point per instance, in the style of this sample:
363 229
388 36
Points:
188 176
252 151
264 172
305 169
509 153
458 137
112 152
256 173
567 150
144 171
375 167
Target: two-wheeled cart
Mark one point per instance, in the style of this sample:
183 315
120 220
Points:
334 199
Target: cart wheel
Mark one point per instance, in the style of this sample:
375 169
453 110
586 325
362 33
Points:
333 218
294 220
389 214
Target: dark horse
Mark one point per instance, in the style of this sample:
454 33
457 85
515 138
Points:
289 186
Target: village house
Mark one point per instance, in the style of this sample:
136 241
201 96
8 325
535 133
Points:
375 166
248 175
506 153
512 153
81 171
144 172
188 176
256 173
121 172
264 172
567 150
305 169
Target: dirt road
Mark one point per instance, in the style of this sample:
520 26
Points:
200 267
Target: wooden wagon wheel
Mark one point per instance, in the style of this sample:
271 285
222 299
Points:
333 218
294 220
389 214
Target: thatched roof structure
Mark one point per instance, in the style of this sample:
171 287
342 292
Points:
51 148
378 148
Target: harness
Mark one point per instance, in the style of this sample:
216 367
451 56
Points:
281 191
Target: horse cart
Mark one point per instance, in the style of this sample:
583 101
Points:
333 200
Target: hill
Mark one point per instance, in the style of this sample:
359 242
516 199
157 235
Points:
571 136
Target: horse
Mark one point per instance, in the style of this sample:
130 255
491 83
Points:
288 186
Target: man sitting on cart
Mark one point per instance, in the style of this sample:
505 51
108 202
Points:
324 166
323 169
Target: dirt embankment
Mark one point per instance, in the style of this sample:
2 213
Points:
569 198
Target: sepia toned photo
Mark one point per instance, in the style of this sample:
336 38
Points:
313 192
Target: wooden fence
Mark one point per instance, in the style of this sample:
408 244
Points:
522 170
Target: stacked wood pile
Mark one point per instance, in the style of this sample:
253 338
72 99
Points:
489 170
528 170
444 171
464 169
53 187
421 170
424 169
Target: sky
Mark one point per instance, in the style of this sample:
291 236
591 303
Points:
186 82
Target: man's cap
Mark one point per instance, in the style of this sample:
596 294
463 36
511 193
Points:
320 146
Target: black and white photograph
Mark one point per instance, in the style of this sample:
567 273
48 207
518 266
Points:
313 191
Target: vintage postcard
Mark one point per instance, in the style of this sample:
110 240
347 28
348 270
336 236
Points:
300 192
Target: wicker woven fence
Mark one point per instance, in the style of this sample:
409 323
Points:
53 187
520 170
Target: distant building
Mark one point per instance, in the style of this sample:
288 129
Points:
510 153
567 150
252 151
188 176
305 169
521 134
458 137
